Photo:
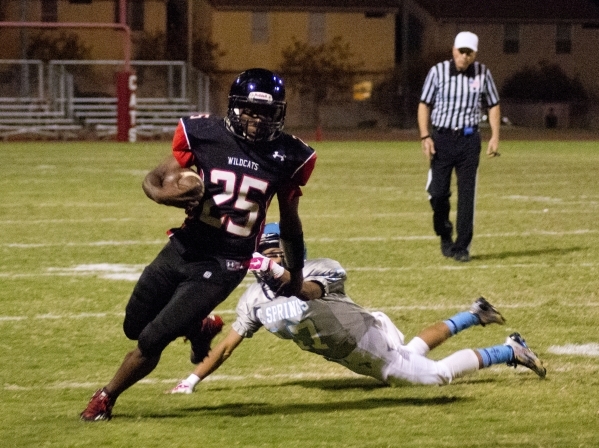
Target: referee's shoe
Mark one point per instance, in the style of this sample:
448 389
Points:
461 255
447 246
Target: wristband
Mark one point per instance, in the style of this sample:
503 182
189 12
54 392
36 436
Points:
294 250
425 137
277 270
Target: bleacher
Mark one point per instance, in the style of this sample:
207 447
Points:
29 116
88 117
155 117
51 105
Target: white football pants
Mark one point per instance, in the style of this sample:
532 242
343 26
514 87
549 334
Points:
381 354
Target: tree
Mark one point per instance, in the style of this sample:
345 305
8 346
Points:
46 46
398 94
319 70
152 47
49 45
206 54
546 83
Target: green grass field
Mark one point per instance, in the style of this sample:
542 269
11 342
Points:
77 230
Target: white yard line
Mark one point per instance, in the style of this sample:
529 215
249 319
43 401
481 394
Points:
309 240
50 316
172 382
575 349
88 244
132 272
64 221
586 350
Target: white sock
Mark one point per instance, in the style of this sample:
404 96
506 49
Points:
193 380
418 346
461 363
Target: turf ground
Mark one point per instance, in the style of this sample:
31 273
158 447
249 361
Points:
77 230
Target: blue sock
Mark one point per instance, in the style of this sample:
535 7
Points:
461 321
498 354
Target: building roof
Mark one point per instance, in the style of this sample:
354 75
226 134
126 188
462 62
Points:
580 11
308 5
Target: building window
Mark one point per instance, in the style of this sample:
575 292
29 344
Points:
511 38
563 39
362 90
135 14
260 27
49 10
317 32
374 15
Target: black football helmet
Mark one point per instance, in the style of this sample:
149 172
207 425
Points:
259 93
271 236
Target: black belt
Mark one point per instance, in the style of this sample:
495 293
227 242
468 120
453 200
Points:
468 130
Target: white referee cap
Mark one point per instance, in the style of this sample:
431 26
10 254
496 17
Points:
466 39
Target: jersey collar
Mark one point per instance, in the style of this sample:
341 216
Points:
453 71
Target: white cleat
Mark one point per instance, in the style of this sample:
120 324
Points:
486 313
524 355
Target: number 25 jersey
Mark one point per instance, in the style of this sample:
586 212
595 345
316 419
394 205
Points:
240 180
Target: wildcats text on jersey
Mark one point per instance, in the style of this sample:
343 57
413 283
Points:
244 162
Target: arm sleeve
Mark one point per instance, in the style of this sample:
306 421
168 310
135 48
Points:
303 173
429 89
492 96
299 178
181 148
247 323
326 272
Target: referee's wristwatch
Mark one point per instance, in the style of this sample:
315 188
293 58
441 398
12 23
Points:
425 137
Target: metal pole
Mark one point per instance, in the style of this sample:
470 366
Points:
189 39
207 93
127 42
404 62
24 42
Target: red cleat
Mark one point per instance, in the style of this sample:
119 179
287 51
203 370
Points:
200 343
98 408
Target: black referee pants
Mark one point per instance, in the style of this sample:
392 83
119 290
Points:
462 154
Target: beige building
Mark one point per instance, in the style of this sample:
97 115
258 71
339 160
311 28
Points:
383 35
515 34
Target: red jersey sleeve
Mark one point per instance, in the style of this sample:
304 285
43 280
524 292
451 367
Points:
300 178
304 172
181 149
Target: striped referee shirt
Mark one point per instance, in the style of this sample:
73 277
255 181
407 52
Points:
456 97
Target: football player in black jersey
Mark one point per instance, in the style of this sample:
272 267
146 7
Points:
244 160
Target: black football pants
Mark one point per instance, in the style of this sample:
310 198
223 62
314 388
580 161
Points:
173 296
462 154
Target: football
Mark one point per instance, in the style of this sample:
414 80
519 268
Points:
181 188
191 182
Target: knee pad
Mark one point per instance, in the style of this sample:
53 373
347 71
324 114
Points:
138 314
132 328
152 341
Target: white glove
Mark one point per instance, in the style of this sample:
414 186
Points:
182 388
262 265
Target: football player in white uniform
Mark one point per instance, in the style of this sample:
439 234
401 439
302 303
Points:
325 321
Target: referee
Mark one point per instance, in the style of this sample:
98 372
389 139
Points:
451 101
